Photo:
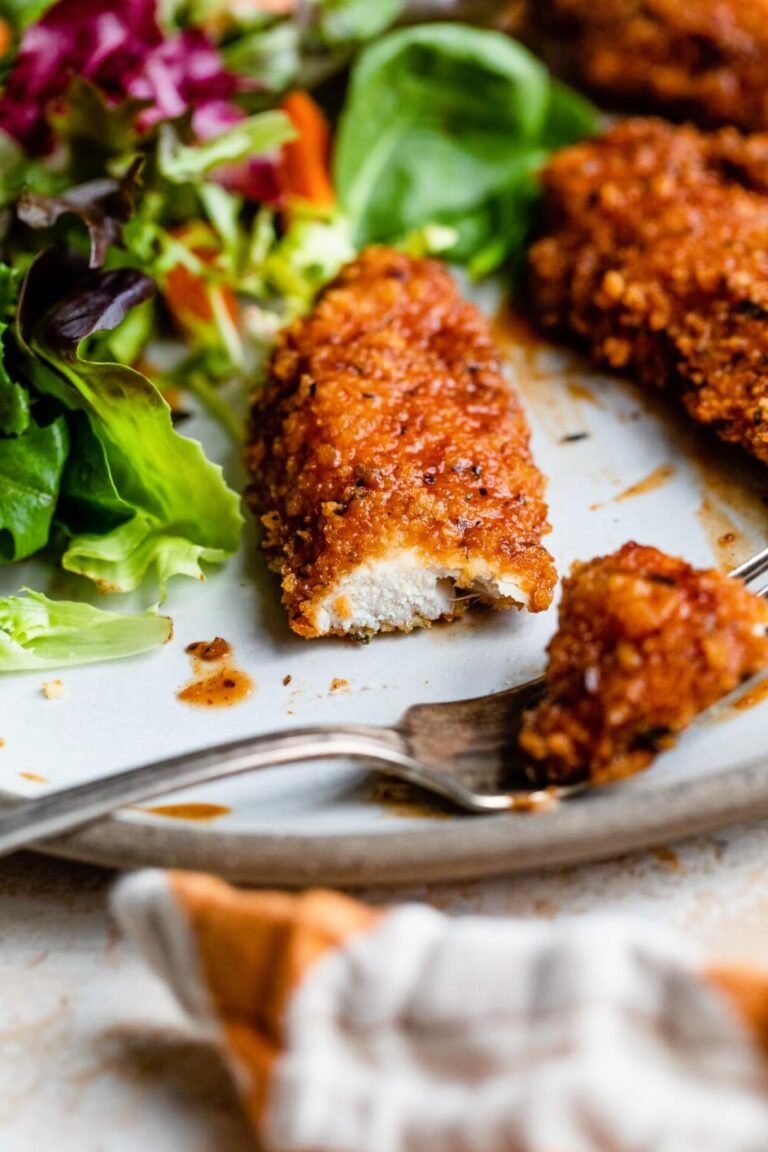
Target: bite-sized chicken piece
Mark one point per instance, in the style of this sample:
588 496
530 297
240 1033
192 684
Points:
645 642
705 60
390 459
655 253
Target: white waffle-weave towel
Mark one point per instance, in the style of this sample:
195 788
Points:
353 1030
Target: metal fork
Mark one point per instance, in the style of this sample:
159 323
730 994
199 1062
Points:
464 751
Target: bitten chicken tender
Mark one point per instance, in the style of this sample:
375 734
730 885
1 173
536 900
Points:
390 459
705 60
655 254
645 642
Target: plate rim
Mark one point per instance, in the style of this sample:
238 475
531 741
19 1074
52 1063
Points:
587 829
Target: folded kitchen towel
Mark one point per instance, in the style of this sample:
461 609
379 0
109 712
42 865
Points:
405 1030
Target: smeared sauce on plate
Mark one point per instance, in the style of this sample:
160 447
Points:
187 811
656 479
555 391
34 777
733 509
580 391
216 681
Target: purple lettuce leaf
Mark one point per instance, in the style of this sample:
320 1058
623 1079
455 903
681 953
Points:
104 206
65 301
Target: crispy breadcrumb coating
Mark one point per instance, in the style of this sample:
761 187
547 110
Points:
645 642
655 254
390 459
704 60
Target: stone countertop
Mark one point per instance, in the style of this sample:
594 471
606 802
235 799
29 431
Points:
94 1050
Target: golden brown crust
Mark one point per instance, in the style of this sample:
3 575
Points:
386 424
644 643
705 60
656 254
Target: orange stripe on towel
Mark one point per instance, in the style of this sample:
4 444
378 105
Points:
747 989
255 949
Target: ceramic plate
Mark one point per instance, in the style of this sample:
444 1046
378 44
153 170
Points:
621 465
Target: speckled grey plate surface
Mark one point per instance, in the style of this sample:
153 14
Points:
636 471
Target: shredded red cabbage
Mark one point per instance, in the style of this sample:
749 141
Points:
123 52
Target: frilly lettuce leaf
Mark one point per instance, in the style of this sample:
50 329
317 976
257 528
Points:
181 163
37 633
310 253
183 513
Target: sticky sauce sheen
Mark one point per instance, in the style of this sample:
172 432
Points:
216 681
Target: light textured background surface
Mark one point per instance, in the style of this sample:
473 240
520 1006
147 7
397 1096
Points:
95 1056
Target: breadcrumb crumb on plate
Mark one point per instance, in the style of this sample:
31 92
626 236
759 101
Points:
390 459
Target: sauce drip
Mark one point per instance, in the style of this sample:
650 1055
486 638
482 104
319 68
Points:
650 483
580 391
34 777
188 811
216 682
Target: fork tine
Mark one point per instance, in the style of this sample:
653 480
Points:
755 566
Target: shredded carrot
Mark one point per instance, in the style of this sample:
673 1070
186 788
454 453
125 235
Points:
6 37
304 161
188 296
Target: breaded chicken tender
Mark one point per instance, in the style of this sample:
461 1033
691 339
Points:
390 460
655 253
645 642
704 60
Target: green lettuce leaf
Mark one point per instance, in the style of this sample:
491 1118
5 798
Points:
14 398
448 124
21 13
183 513
88 497
31 467
342 22
254 136
32 453
310 253
36 633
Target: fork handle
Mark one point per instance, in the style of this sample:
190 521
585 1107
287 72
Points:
65 809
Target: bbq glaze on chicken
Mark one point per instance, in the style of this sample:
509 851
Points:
390 459
704 60
645 642
655 253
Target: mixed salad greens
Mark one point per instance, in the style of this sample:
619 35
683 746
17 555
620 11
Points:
161 172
